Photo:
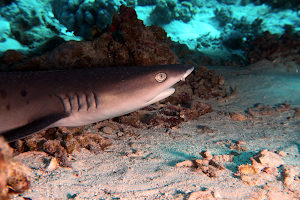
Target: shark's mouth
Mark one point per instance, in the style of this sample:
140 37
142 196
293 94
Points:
166 93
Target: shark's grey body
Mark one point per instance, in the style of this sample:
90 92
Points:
34 101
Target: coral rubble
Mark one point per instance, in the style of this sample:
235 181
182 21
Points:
14 176
206 84
282 49
265 163
166 116
60 142
261 110
210 165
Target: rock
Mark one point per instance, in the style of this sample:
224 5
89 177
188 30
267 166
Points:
238 117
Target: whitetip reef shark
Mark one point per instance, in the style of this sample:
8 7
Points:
31 102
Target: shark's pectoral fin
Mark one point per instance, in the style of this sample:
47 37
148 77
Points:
34 127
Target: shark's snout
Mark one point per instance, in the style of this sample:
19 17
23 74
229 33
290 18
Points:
187 73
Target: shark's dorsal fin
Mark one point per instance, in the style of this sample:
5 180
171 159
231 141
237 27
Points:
37 125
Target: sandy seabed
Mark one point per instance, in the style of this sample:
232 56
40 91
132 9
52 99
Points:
146 165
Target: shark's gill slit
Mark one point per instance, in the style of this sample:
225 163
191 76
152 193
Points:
78 101
95 99
70 102
88 105
63 103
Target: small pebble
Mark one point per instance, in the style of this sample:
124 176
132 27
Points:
238 117
107 130
53 165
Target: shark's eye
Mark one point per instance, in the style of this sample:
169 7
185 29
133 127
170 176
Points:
160 77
